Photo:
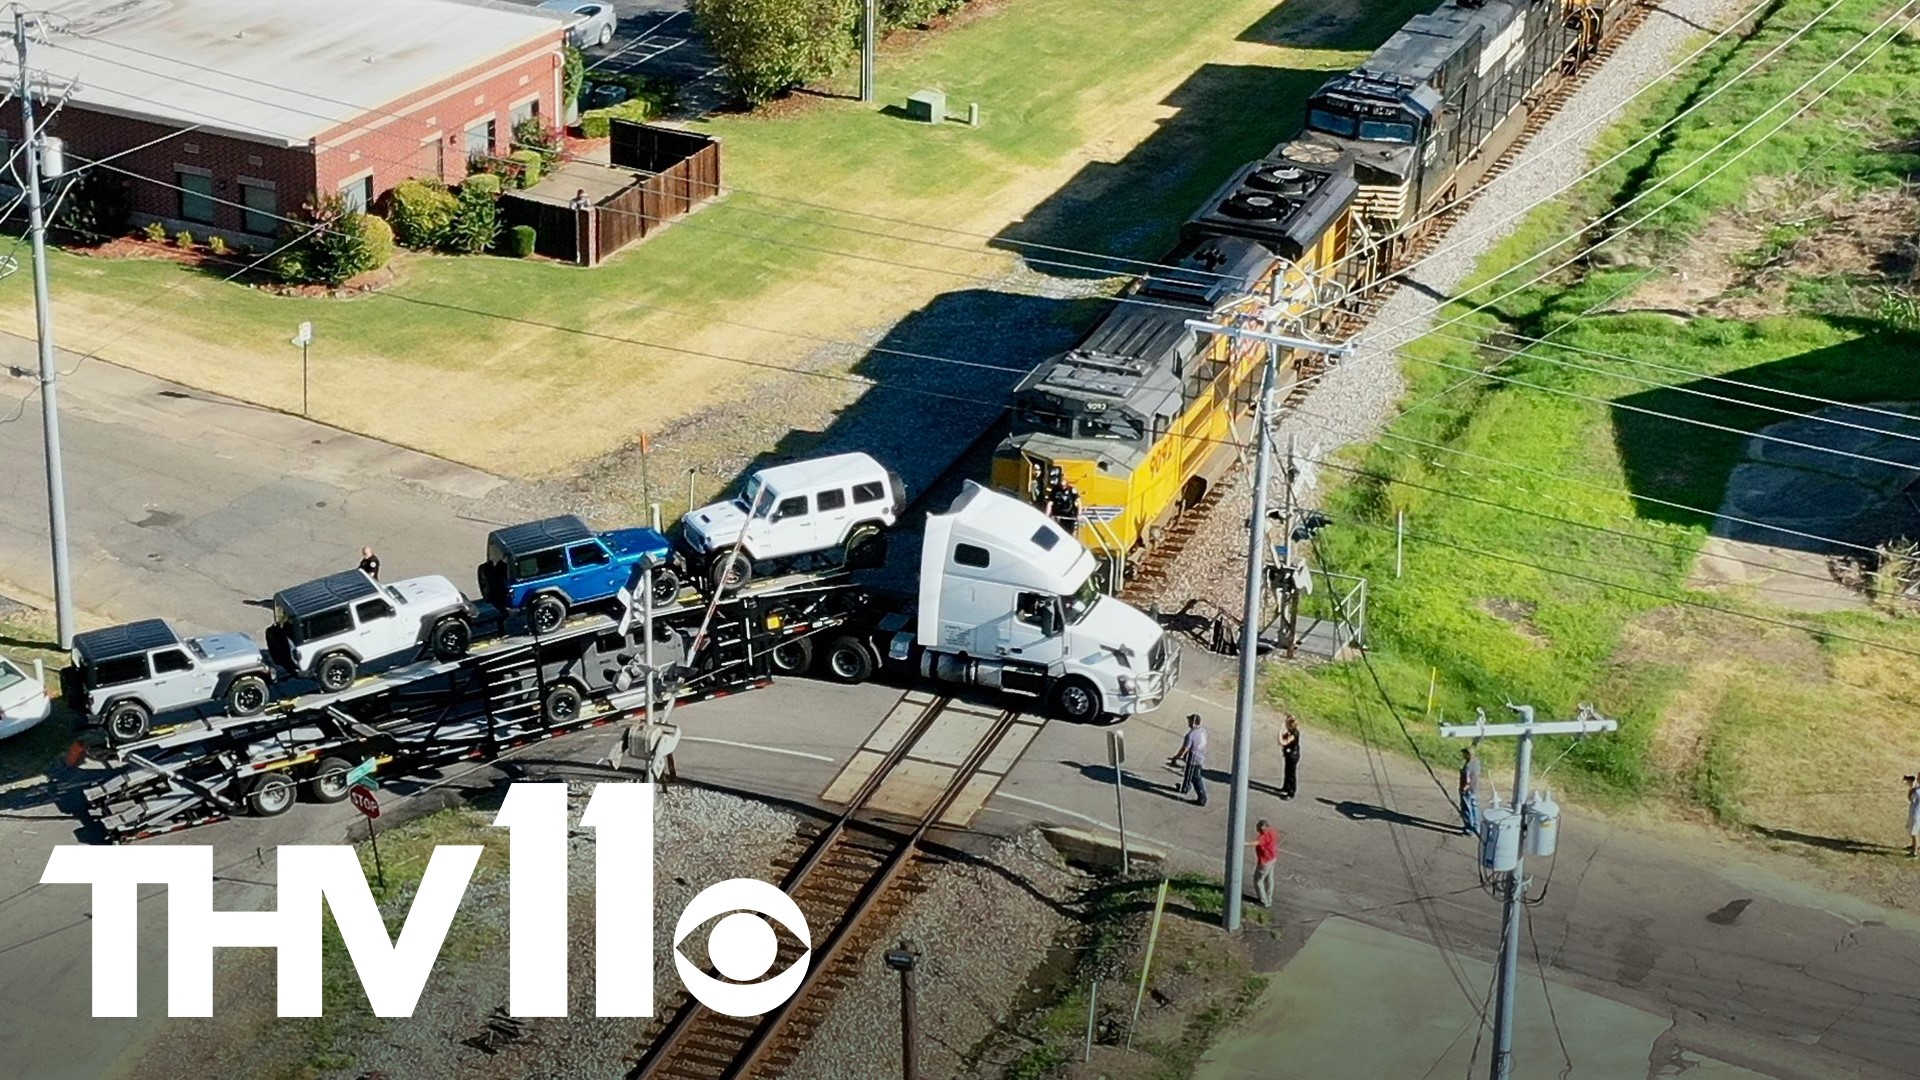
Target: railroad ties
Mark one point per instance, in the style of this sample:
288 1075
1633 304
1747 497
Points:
849 878
1152 569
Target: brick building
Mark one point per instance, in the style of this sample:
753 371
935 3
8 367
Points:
251 106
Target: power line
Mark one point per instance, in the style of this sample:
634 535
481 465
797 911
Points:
1379 334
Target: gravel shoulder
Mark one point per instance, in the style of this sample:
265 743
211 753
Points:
1354 401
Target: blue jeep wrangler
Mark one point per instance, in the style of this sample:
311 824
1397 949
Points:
558 565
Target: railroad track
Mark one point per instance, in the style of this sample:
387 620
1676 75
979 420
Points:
1152 569
848 878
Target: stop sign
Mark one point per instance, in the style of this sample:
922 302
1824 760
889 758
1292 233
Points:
364 800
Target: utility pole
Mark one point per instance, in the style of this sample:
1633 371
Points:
1504 841
43 319
1289 595
1250 616
867 21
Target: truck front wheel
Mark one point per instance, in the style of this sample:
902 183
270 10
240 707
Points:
848 660
1076 700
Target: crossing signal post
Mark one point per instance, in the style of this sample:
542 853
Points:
1505 838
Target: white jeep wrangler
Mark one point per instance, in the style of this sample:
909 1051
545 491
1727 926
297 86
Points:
330 628
822 514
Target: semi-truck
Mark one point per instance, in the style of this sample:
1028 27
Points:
1004 600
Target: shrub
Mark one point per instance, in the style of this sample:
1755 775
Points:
420 211
485 181
598 123
333 242
217 245
768 46
183 238
94 206
521 240
895 13
506 170
530 166
477 224
540 137
379 239
155 232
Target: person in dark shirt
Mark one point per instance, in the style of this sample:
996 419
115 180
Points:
370 563
1469 792
1290 753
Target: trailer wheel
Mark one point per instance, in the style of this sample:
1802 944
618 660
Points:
562 703
730 574
247 695
866 548
666 586
127 721
336 672
792 657
329 782
546 613
848 660
451 638
1076 700
271 795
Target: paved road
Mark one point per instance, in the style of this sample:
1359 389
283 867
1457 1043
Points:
186 505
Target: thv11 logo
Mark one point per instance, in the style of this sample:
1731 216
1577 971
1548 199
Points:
741 945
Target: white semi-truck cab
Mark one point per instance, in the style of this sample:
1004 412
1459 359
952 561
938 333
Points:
1009 600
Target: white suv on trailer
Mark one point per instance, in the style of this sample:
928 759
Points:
330 628
821 514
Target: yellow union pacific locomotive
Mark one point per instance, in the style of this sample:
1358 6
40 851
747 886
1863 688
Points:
1132 425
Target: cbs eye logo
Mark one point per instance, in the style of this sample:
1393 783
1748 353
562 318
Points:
742 947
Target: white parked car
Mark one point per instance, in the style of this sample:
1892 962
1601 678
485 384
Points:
23 698
330 628
811 515
588 25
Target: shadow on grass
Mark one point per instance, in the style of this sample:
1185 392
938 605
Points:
1840 844
1678 446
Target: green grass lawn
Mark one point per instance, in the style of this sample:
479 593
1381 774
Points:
1715 709
1106 122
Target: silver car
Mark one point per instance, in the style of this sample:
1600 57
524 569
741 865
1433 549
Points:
588 25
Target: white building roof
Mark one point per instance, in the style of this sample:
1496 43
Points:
283 71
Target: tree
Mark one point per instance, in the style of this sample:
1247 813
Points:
573 73
95 207
768 46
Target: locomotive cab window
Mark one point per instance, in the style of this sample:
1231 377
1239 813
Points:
1331 122
1110 426
1386 131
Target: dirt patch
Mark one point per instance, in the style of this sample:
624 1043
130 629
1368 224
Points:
1519 615
1744 260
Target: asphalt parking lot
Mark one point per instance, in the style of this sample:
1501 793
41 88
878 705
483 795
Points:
652 37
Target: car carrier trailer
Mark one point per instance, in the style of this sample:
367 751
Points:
506 693
1005 601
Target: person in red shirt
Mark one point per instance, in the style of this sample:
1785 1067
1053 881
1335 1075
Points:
1266 852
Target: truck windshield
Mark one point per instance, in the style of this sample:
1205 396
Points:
749 495
1081 601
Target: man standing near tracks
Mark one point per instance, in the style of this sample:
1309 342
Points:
1469 792
1193 756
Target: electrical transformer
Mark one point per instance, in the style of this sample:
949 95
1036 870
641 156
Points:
1499 839
1543 824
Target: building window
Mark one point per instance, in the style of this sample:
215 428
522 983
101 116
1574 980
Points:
480 139
523 112
261 215
196 195
358 193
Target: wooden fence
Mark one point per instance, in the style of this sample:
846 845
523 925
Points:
673 172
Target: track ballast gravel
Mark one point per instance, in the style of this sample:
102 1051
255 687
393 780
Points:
1354 401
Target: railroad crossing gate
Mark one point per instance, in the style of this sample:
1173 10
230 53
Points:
920 778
